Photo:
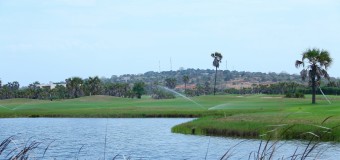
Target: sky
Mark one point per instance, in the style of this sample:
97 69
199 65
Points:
51 40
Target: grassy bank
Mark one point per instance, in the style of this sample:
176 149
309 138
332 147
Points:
231 115
256 116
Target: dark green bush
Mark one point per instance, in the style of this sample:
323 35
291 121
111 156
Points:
160 94
295 95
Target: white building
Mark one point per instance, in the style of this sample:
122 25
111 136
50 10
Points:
51 85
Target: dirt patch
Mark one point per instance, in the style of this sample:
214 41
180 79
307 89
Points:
271 97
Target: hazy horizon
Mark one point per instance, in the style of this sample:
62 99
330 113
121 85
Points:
63 80
57 39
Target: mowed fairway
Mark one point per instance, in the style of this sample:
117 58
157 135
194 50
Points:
103 106
260 115
100 106
225 115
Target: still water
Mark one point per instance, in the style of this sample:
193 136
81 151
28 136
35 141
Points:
84 138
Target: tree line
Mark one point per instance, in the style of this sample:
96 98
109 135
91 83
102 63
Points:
74 87
131 86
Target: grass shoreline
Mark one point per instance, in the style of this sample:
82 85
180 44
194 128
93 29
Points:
247 116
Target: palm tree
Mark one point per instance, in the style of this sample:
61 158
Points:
94 85
216 63
185 80
319 61
73 86
170 83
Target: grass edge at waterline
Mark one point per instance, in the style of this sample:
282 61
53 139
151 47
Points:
259 130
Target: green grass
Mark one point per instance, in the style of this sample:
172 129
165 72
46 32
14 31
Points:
253 116
222 115
100 106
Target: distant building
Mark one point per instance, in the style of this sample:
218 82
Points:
51 85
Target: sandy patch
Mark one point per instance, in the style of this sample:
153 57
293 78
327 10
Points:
270 97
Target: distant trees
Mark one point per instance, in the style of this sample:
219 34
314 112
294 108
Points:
33 90
185 80
92 86
239 82
116 89
289 89
74 87
9 90
170 83
319 61
138 89
59 92
216 63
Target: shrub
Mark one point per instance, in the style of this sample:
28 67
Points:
160 94
295 95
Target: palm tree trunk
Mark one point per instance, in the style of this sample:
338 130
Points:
313 85
185 88
215 82
313 92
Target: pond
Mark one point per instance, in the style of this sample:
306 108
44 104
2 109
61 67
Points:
105 138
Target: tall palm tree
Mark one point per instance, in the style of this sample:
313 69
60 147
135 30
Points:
94 85
216 63
318 62
185 80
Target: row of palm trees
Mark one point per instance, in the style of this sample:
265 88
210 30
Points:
315 63
75 87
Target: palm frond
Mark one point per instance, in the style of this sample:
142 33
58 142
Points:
325 59
311 55
217 55
216 63
325 74
217 59
299 63
319 61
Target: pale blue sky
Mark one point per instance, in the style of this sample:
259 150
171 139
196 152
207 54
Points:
50 40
